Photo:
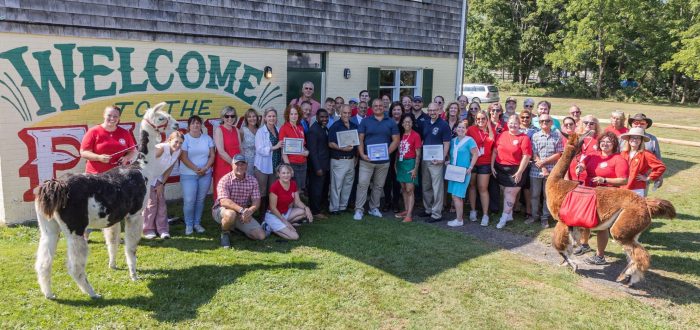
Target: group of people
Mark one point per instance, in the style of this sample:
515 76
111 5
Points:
402 157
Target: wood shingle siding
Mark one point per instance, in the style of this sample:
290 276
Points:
399 27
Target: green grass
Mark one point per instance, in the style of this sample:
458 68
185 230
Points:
341 274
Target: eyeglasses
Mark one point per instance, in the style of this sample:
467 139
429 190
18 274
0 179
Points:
496 110
590 123
528 105
480 119
475 109
576 112
635 137
229 116
569 124
545 121
606 141
308 88
439 102
639 122
525 117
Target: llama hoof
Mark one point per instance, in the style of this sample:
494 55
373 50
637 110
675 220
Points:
625 280
96 296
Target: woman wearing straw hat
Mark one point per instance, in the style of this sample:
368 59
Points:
643 165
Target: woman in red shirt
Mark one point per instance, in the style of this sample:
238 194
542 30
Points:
292 129
227 139
408 160
484 137
643 165
285 206
509 160
605 169
498 124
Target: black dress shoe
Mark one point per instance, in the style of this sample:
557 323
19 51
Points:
433 220
335 213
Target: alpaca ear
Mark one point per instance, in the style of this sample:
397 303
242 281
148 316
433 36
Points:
159 107
573 139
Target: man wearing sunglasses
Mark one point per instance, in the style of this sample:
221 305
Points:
307 93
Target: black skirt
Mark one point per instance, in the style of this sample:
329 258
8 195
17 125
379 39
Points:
504 175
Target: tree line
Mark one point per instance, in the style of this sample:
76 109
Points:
589 48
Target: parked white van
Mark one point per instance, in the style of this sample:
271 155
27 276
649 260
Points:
482 93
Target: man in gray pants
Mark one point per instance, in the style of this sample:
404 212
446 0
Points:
436 131
547 146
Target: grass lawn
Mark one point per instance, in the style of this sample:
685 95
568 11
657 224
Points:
377 273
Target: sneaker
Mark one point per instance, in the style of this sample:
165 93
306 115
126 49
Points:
485 221
267 229
502 222
150 236
472 216
581 249
509 216
455 223
188 230
529 220
402 214
199 229
375 213
225 240
165 236
595 260
357 216
544 223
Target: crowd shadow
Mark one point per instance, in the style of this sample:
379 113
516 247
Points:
675 165
176 297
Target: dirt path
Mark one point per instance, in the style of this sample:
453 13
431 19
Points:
657 289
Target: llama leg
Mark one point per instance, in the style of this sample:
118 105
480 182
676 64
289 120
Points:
134 226
49 231
639 263
77 260
112 239
561 241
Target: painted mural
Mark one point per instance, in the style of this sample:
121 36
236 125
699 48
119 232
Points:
52 90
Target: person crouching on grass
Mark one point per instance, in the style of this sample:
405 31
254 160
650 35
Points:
155 218
285 208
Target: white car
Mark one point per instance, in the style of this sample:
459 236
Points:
482 93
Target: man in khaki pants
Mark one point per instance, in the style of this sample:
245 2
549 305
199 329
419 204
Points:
343 162
436 131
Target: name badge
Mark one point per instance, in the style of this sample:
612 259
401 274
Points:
603 164
515 142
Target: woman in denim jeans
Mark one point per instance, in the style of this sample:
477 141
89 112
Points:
195 176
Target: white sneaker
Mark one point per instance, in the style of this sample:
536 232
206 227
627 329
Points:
164 236
502 222
188 230
472 216
150 236
358 215
455 223
375 212
485 221
199 229
509 216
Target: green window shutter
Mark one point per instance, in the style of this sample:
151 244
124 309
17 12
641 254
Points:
427 86
373 82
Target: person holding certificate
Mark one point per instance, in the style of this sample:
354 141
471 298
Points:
436 147
292 135
342 159
409 154
379 136
463 154
508 163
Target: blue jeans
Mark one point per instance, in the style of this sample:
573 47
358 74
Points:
194 190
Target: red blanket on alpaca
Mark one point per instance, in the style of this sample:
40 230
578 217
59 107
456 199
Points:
580 208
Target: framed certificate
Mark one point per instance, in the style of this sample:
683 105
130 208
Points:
293 146
348 138
433 152
377 152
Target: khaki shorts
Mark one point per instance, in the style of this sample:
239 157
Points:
246 228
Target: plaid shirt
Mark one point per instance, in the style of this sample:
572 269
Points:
544 146
240 191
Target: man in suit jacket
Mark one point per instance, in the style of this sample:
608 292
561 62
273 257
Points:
319 162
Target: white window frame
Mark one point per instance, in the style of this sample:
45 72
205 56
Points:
396 88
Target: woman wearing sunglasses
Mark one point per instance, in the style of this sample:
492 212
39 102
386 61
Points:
227 140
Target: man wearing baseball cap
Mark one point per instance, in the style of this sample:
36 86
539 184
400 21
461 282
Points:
420 116
238 198
511 106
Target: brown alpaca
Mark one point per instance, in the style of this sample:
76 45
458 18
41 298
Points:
621 211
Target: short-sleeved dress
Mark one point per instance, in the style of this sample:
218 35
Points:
463 157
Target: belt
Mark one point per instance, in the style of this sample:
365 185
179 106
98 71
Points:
344 157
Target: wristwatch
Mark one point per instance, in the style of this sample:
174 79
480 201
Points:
242 210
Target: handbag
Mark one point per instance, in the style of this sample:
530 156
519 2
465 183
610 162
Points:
580 208
453 172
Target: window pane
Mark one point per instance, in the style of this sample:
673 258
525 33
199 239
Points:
300 60
407 91
493 89
386 77
387 91
408 78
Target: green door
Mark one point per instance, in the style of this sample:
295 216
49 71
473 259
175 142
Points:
303 67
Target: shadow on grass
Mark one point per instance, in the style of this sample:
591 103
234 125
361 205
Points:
685 216
177 297
675 165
